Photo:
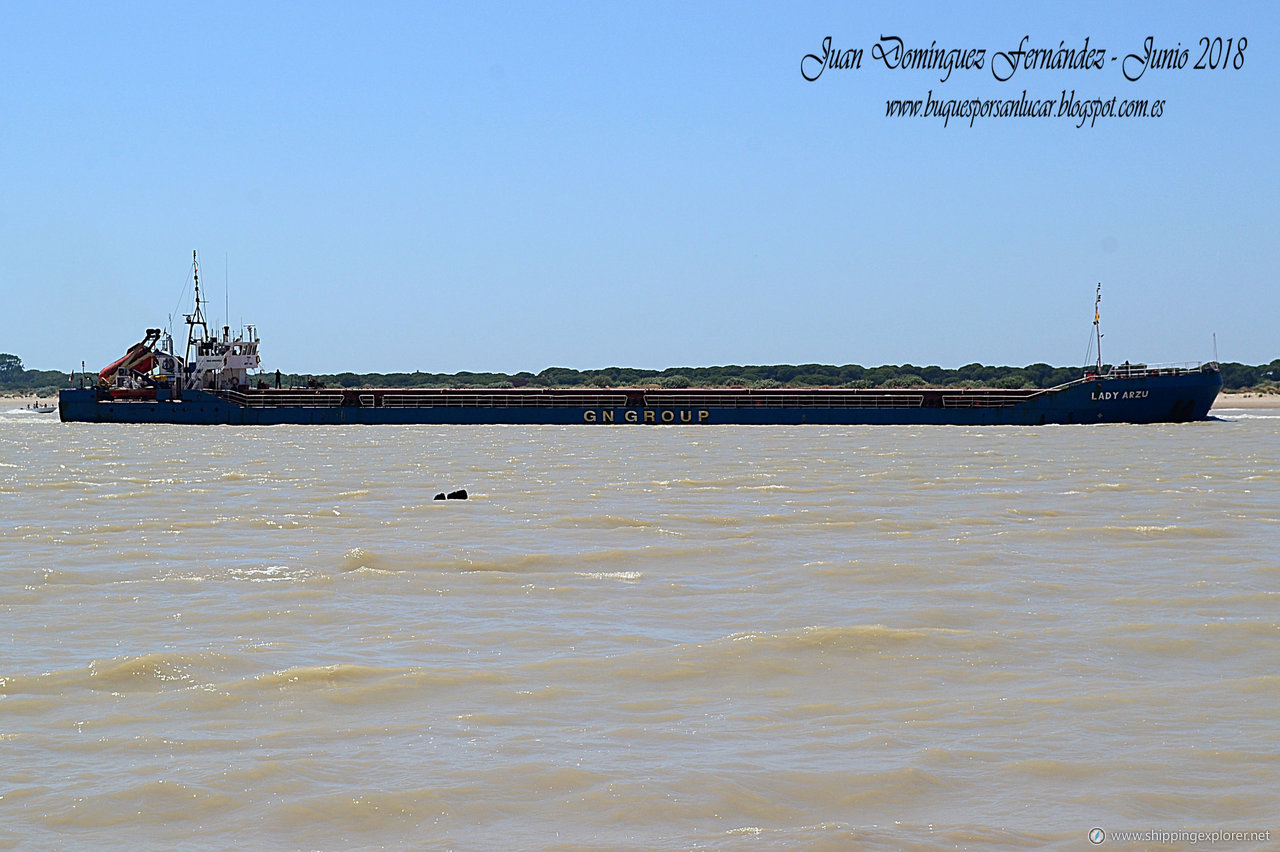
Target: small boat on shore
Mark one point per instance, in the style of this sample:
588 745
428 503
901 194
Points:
40 406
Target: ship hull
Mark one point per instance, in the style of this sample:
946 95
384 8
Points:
1155 397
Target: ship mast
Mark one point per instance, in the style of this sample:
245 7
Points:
195 318
1097 328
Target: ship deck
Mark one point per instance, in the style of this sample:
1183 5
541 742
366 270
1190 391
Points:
709 398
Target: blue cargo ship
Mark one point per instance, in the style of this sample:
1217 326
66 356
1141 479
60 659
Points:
1134 395
209 384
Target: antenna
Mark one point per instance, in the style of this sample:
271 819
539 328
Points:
195 318
1097 327
1215 347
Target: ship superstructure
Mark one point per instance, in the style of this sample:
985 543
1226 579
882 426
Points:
210 362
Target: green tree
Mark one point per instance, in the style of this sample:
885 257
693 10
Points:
10 367
1236 376
1014 380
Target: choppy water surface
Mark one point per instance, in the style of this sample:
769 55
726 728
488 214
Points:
665 638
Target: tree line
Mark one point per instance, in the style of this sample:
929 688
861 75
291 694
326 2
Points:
15 379
1235 377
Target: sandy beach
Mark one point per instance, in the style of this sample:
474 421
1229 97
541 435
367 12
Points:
1246 400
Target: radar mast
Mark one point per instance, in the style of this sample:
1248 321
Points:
195 318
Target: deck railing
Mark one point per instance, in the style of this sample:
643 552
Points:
860 398
499 400
982 399
1173 368
847 399
284 399
639 398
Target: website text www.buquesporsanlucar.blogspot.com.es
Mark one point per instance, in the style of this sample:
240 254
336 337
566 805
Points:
1067 105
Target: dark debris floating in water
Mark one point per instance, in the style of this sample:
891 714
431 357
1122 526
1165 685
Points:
460 494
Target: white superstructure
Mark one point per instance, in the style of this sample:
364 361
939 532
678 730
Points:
211 362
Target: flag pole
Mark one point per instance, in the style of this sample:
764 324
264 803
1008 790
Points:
1097 328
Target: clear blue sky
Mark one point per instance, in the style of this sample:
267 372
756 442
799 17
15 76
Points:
465 186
